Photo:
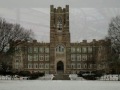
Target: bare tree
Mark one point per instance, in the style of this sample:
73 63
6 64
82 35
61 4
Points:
114 35
10 34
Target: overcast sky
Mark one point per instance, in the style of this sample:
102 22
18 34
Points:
86 22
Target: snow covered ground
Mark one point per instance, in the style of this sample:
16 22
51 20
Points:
46 83
75 77
46 77
58 85
110 77
72 77
103 78
8 77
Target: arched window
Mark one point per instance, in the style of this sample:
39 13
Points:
59 23
85 65
59 48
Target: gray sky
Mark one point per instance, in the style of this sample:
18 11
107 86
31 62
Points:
86 22
72 3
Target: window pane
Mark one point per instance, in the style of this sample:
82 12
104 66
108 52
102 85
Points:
47 50
35 57
46 57
29 57
72 49
89 49
84 57
41 49
60 48
36 49
84 50
78 49
73 57
41 57
29 49
78 57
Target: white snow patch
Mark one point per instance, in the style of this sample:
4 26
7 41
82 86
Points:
16 77
46 77
110 77
75 77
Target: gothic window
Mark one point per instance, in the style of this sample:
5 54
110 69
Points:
73 66
35 65
91 65
41 65
78 65
47 66
60 48
59 23
29 65
85 65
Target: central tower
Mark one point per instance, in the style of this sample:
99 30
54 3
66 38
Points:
59 37
59 25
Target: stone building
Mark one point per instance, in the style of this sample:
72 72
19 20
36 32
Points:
103 55
60 54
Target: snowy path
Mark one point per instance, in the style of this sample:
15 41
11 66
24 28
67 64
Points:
58 85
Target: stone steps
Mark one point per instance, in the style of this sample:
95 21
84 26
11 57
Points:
61 77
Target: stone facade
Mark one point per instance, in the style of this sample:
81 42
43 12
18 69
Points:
60 54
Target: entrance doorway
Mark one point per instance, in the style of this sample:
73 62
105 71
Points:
60 66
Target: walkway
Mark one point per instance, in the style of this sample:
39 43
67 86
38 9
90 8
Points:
61 76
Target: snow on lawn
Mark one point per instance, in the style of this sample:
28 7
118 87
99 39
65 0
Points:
75 77
46 77
109 77
58 85
113 77
8 77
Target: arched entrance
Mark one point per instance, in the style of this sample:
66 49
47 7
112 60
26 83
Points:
60 66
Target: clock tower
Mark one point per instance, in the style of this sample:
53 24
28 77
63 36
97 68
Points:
59 25
59 38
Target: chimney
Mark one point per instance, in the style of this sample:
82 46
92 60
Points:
94 40
84 41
